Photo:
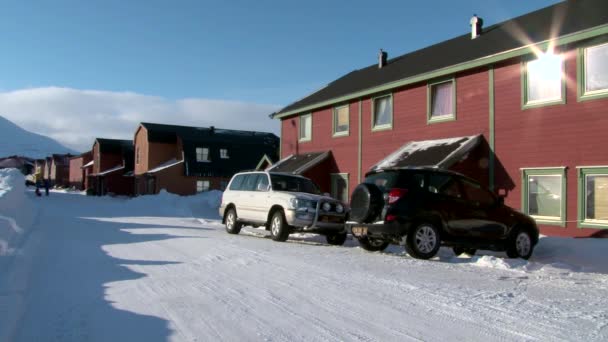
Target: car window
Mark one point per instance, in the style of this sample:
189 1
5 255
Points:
295 184
237 182
383 180
262 182
444 185
250 182
477 194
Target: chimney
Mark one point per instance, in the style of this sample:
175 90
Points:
382 57
211 129
476 26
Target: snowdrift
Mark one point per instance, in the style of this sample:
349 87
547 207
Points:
16 211
204 205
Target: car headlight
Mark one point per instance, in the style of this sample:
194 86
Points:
299 203
339 208
326 206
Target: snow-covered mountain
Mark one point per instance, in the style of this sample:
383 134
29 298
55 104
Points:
15 140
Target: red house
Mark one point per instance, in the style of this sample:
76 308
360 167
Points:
80 167
520 106
112 170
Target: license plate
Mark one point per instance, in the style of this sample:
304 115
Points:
359 231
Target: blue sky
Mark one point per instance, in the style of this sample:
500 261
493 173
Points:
264 52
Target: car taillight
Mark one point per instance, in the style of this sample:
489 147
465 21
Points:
390 218
395 194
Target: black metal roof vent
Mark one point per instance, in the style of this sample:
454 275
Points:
476 26
382 58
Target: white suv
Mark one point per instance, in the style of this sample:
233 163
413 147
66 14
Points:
283 203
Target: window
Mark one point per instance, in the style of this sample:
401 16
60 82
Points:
544 195
382 112
202 185
305 127
543 81
202 154
441 99
250 183
339 186
224 153
262 184
444 185
237 182
593 197
477 195
341 121
593 72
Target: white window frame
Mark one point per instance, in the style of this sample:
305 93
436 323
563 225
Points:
442 118
525 189
203 185
308 137
583 93
224 153
202 154
583 173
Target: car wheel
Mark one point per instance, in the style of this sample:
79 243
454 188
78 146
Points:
372 245
232 225
336 239
423 242
461 250
520 245
278 227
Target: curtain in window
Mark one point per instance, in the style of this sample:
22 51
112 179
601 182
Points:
596 68
341 120
382 111
442 99
305 126
597 197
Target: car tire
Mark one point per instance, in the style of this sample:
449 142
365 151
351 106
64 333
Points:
279 231
336 239
373 245
461 250
423 241
520 244
233 226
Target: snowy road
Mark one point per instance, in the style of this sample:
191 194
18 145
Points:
101 269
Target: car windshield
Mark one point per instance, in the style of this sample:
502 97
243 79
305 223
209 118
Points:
383 180
296 184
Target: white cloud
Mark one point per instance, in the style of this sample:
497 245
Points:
76 117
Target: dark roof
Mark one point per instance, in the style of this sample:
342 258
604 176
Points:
114 145
245 148
439 153
299 163
554 21
169 133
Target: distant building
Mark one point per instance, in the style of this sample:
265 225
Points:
185 160
24 164
112 167
59 169
80 167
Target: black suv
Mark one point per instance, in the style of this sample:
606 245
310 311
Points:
424 208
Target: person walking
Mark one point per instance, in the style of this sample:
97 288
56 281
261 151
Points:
46 186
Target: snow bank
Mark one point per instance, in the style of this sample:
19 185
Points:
551 253
16 211
204 205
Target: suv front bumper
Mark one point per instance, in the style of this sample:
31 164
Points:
314 223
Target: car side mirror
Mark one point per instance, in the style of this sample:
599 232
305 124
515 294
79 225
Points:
263 187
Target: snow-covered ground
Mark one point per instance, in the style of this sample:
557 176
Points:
159 268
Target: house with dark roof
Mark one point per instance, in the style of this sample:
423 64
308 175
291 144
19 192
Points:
519 105
112 169
185 160
80 167
58 169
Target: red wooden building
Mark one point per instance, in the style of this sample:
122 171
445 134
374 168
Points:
80 167
520 106
112 169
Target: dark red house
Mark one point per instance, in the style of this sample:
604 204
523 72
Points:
520 106
80 167
185 160
112 170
